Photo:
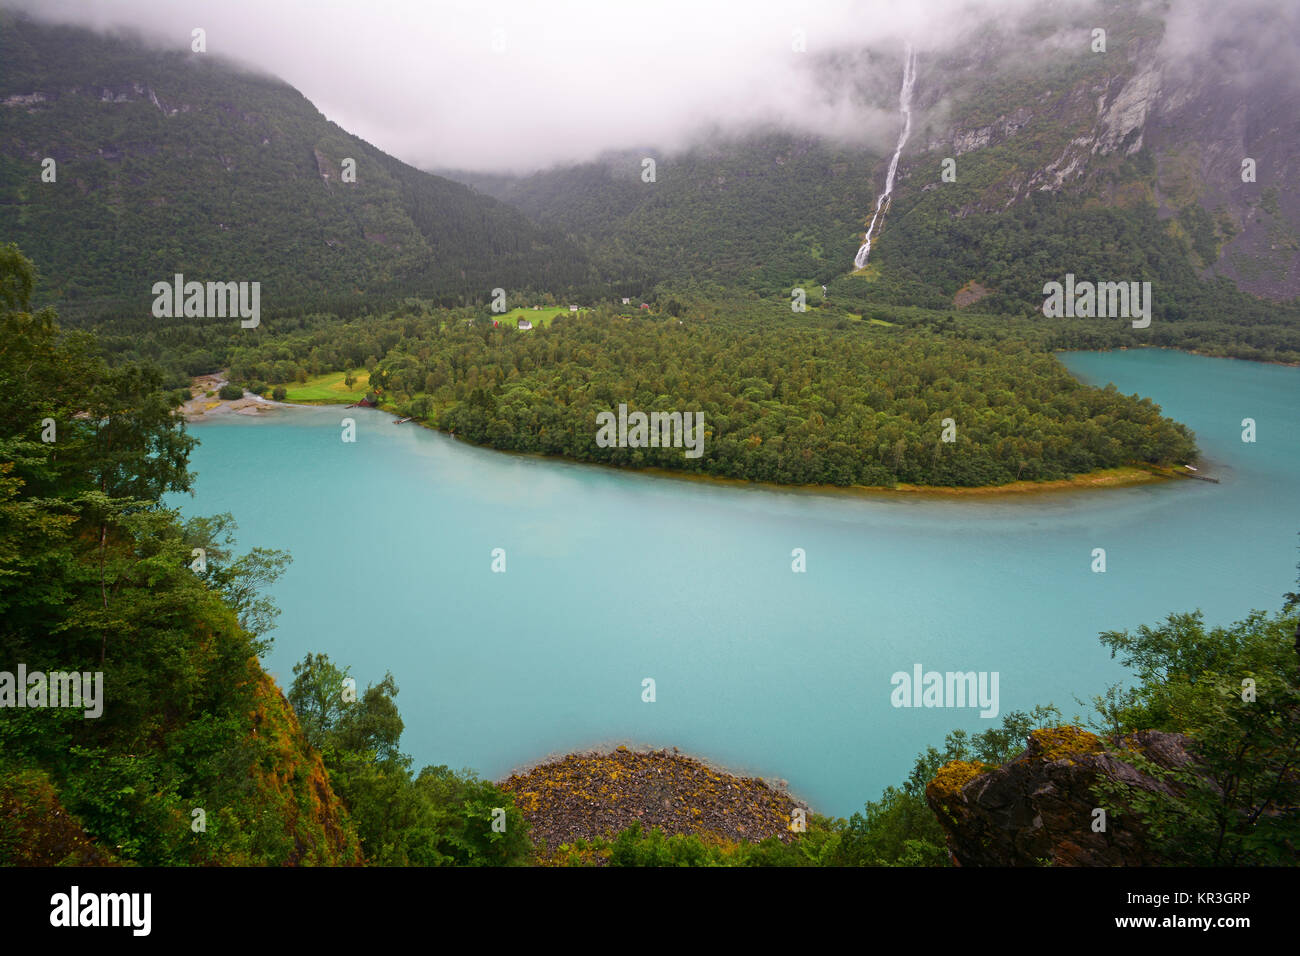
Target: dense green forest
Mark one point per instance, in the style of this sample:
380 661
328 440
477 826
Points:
818 397
95 576
930 253
756 211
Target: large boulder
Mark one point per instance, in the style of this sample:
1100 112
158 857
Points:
1040 808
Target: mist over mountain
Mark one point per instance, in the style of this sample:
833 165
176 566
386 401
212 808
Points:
1054 150
177 162
1154 128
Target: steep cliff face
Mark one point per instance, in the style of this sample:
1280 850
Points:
1042 808
1216 118
276 808
291 777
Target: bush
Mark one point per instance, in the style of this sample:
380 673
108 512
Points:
278 393
230 392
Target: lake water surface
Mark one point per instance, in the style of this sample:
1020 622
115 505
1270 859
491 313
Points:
613 577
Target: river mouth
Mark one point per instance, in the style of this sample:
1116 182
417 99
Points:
614 577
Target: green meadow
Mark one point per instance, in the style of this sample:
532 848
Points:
329 388
540 317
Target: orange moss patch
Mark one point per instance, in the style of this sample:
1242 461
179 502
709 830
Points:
954 775
292 777
1060 743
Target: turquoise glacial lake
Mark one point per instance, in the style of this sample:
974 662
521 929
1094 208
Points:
614 577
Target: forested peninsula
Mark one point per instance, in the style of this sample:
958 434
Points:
819 399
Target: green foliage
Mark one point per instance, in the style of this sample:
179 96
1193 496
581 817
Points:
633 847
95 577
637 847
937 244
440 818
230 392
241 581
899 829
754 212
1239 803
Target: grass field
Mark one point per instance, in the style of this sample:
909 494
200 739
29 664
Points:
542 317
328 388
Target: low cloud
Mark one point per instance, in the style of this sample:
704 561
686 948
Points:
522 84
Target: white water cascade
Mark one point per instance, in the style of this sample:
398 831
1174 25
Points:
905 107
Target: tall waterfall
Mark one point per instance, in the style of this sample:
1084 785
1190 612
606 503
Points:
905 107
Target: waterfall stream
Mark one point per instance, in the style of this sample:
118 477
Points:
905 107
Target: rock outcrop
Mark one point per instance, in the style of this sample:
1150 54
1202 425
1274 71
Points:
1218 123
1041 808
584 796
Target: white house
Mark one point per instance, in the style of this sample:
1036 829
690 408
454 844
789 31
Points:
573 308
525 325
626 300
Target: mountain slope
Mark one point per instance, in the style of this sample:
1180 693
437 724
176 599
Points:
1122 165
178 162
764 210
1044 143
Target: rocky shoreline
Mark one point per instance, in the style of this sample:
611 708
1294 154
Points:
205 401
599 794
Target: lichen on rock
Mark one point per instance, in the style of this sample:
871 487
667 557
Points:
1043 805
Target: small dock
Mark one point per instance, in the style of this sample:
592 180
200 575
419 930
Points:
1190 472
403 421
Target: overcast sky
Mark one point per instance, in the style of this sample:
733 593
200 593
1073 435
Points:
523 84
